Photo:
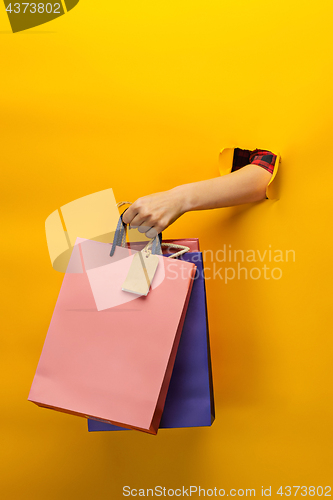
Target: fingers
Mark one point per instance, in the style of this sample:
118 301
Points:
145 216
140 221
139 214
148 229
151 233
130 213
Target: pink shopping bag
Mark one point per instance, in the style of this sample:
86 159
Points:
113 364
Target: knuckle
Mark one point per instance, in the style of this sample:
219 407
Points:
153 221
144 211
138 204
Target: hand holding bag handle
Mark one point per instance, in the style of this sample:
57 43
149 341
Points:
120 239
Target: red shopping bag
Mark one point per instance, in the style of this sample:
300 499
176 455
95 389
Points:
113 364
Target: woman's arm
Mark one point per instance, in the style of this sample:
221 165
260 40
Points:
154 213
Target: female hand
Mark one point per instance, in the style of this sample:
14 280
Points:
154 213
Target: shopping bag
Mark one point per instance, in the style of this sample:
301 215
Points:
114 364
190 398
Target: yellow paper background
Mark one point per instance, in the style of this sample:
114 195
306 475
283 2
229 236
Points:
140 97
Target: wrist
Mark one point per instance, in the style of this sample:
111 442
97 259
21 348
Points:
182 198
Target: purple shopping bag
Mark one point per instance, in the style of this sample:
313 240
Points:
190 399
